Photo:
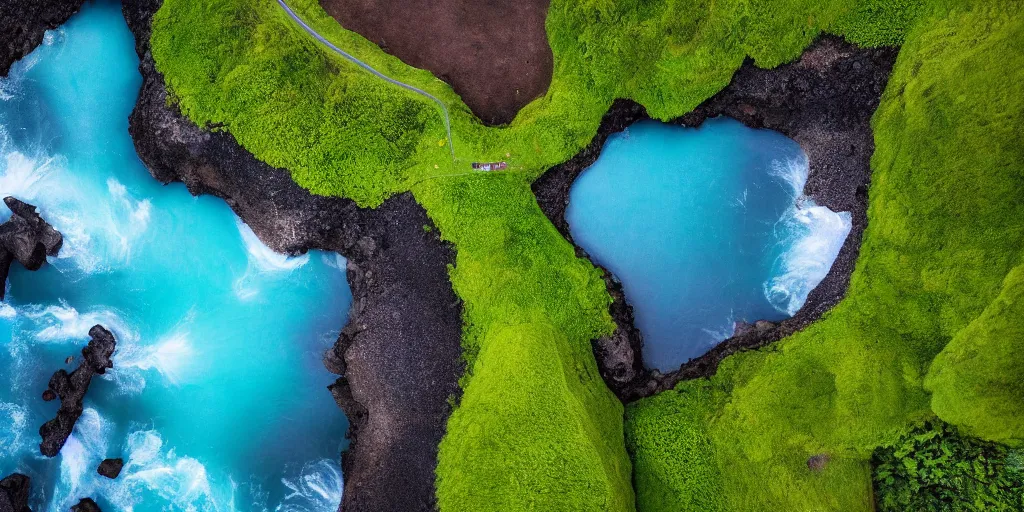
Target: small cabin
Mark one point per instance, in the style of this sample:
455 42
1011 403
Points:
489 166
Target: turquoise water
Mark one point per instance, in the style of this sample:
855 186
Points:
217 400
705 227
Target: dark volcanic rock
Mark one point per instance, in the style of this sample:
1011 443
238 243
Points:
110 468
86 505
27 238
823 101
23 22
14 493
71 389
401 350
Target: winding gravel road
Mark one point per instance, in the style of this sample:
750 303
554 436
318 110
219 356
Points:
351 58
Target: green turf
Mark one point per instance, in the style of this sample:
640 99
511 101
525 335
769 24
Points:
537 429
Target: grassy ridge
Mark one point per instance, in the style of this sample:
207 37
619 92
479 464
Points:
533 434
976 380
536 428
945 228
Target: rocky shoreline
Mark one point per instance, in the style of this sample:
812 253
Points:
400 353
23 23
824 101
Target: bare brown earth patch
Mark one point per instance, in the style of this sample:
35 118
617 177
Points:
494 53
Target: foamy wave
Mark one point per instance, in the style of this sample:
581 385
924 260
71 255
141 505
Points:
22 176
793 174
7 311
13 419
138 211
318 488
181 481
814 236
150 469
169 356
64 323
264 257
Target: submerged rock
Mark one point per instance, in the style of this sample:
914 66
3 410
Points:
14 493
71 389
86 505
27 238
110 468
23 23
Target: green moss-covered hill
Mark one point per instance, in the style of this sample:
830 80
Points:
930 325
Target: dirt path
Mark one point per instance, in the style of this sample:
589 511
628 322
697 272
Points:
369 69
494 53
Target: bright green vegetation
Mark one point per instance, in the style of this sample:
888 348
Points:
245 67
933 469
536 428
945 231
976 381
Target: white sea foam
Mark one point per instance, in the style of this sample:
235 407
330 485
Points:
181 481
22 176
13 420
813 236
265 258
722 331
7 311
262 260
138 211
317 489
169 356
82 452
64 323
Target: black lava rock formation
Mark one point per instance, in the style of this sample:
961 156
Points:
86 505
25 237
23 23
400 352
71 389
14 493
110 468
824 101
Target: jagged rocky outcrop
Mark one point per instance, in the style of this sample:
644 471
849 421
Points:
23 23
110 468
71 389
86 505
14 493
400 352
823 101
27 238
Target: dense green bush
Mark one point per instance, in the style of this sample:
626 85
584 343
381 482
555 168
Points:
934 469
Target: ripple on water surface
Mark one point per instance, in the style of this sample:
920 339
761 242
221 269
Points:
705 227
217 400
